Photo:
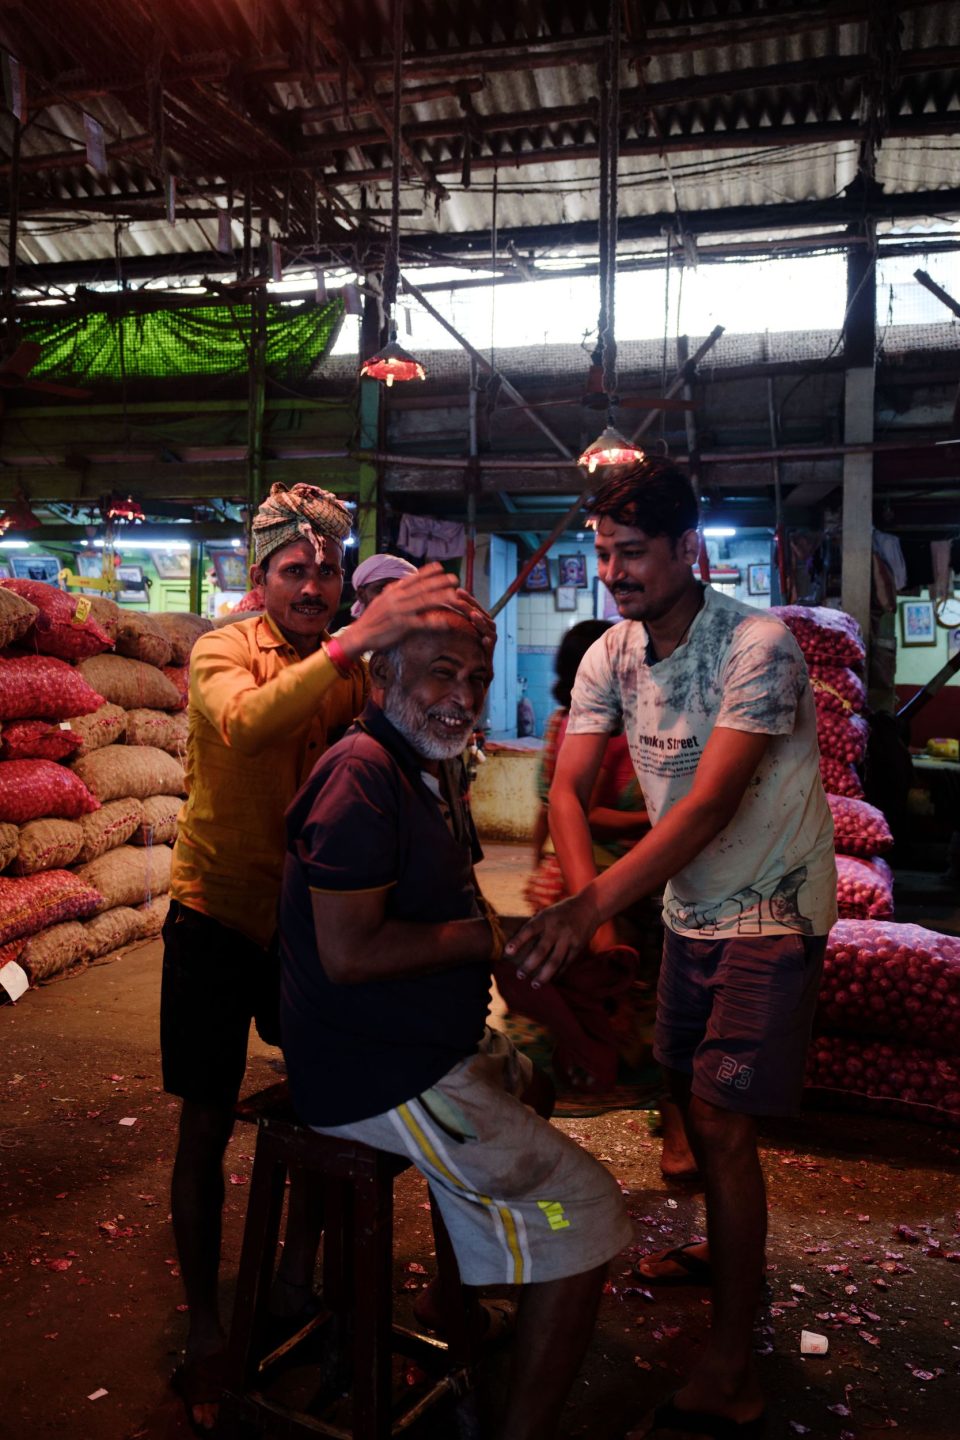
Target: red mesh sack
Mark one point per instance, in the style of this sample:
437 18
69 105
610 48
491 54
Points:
864 889
65 626
40 687
842 737
31 789
839 778
901 981
34 902
875 1075
858 828
826 637
179 675
37 740
835 687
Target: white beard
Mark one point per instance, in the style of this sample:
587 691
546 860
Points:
411 719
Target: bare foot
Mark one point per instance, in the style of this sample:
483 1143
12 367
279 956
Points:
676 1158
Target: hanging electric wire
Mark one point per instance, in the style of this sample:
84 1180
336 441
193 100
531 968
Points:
610 447
391 361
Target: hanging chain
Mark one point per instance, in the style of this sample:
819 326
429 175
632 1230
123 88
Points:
391 268
610 153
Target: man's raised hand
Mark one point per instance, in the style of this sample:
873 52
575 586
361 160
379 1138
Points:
399 609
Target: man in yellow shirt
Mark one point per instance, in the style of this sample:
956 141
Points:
267 696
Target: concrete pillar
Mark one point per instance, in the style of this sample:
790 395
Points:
857 558
859 343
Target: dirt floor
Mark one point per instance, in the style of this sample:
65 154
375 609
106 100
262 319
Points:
864 1245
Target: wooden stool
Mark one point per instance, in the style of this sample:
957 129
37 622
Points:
357 1286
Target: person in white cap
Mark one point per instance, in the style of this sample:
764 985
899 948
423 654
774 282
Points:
375 574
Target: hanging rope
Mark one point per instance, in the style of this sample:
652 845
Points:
391 268
610 154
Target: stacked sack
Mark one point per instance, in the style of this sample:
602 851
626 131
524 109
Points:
832 646
889 1020
92 738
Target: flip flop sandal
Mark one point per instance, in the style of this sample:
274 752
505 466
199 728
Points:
695 1270
200 1382
501 1323
704 1422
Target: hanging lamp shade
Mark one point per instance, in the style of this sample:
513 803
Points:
392 363
610 448
18 517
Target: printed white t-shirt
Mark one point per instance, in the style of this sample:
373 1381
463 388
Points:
772 870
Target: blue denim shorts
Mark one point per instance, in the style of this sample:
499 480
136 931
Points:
736 1015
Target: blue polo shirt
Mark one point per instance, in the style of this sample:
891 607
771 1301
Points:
366 820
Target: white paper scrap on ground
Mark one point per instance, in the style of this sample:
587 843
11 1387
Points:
813 1344
128 1120
98 1394
14 979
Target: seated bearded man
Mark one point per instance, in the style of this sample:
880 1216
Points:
387 950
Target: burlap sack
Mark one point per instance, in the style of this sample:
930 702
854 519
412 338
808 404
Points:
107 614
103 727
129 683
128 875
54 950
141 639
16 617
9 844
152 916
159 824
48 845
120 770
108 827
164 728
111 930
182 630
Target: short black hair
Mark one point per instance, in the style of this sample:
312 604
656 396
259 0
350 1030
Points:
653 496
573 647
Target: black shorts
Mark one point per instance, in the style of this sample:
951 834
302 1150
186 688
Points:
215 981
736 1015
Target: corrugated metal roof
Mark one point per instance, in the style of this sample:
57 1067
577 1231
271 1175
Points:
254 96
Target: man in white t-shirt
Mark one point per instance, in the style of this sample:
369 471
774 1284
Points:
715 701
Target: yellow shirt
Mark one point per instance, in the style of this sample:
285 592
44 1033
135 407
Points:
260 718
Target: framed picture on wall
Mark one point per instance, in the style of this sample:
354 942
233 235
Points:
566 597
539 577
172 564
953 642
758 579
573 570
134 587
918 624
231 569
36 567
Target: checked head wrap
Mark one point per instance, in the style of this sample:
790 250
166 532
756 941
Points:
302 512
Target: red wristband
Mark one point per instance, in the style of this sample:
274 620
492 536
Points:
337 654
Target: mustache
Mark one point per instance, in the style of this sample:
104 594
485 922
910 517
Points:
625 588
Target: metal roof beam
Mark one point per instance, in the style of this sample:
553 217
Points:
643 97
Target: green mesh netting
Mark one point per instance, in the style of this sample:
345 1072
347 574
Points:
176 344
